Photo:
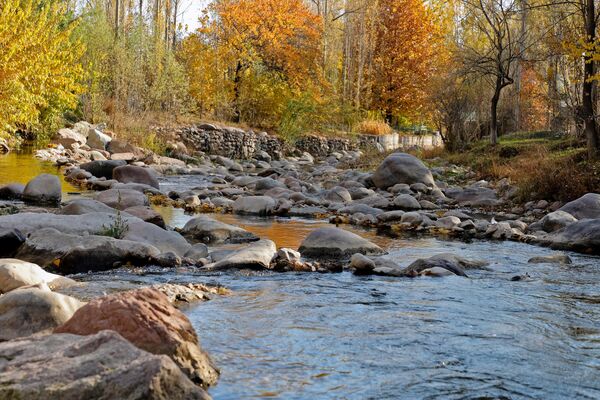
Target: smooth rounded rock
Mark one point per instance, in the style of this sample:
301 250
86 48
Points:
332 242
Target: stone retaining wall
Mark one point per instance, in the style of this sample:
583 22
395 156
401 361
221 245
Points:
238 144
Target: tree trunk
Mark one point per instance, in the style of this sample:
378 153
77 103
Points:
588 109
236 93
494 112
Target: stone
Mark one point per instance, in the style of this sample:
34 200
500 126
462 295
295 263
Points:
288 255
361 264
102 168
116 146
16 273
582 236
96 367
96 155
133 174
474 196
67 137
390 216
122 199
43 189
85 206
554 259
330 242
26 311
10 241
360 208
402 168
147 319
97 139
208 230
147 214
254 205
338 194
587 206
77 174
553 221
453 264
80 254
257 255
412 218
264 184
375 201
407 202
449 222
122 156
197 252
12 191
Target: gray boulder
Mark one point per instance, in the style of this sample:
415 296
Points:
402 168
122 199
208 230
96 367
553 221
43 189
79 254
97 139
406 202
67 137
133 174
582 236
332 242
12 191
146 214
24 312
587 206
102 168
255 205
338 194
257 255
85 206
474 196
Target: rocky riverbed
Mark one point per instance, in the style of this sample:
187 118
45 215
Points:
146 232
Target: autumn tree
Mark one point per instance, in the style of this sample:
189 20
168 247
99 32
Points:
407 42
39 72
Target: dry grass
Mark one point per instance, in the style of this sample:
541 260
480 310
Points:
373 127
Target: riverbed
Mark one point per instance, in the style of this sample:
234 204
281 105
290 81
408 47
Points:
339 336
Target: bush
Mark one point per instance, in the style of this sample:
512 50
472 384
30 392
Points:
117 229
373 127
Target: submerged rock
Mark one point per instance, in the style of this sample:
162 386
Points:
555 259
26 311
330 242
147 319
96 367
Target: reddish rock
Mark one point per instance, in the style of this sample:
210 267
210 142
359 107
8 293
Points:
147 319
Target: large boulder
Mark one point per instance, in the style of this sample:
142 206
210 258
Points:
338 194
134 174
553 221
587 206
582 236
96 223
96 367
332 242
122 199
256 205
402 168
147 319
147 214
120 146
12 191
85 206
43 189
18 273
10 241
97 139
24 312
79 254
208 230
406 202
102 168
257 255
67 137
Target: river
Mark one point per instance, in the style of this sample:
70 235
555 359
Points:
339 336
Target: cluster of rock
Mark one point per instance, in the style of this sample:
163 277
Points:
133 345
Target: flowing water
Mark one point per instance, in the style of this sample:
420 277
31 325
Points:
338 336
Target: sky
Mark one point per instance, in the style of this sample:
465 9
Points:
191 11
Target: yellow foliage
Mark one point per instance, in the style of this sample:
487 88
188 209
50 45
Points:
373 127
39 66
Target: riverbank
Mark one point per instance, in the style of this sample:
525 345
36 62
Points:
196 217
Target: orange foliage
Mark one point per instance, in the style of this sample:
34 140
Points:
534 100
408 42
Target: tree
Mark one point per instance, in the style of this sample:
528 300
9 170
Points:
407 43
39 68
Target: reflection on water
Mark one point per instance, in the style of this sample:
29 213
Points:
23 166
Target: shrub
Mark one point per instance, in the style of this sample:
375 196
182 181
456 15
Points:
117 229
373 127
